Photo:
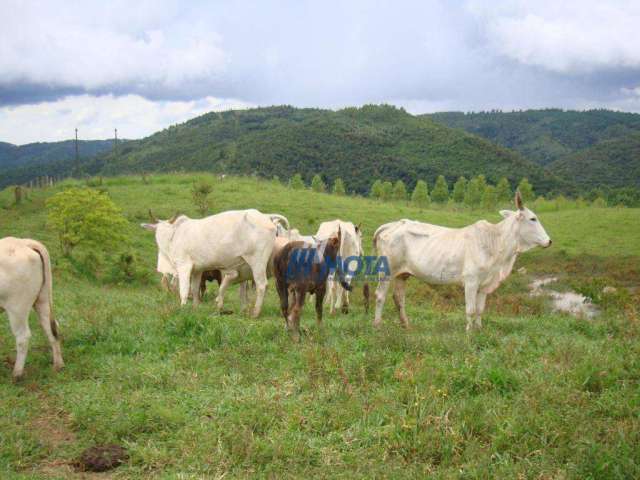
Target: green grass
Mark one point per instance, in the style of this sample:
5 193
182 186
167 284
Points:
191 393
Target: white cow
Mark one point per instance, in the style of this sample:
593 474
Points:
479 256
25 283
244 275
350 245
229 242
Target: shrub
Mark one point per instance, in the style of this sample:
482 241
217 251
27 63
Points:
440 192
399 191
338 187
459 190
490 198
80 216
526 190
296 182
317 185
475 190
503 191
200 194
376 190
420 195
387 190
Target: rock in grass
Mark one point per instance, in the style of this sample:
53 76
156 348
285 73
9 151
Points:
101 458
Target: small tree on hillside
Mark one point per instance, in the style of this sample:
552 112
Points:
87 217
317 185
526 190
420 195
296 182
490 198
503 190
459 190
399 191
387 190
376 190
440 192
338 187
200 192
473 195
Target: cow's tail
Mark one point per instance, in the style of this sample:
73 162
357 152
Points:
281 219
46 291
378 231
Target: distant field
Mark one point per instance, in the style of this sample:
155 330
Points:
194 394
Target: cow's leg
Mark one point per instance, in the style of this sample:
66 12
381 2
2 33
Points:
243 292
195 283
294 315
283 293
43 309
19 320
226 281
184 282
320 292
260 277
165 282
345 305
470 297
331 293
398 298
381 296
480 302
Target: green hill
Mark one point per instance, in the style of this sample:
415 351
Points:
357 144
544 136
612 163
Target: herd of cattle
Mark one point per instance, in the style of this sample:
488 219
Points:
247 247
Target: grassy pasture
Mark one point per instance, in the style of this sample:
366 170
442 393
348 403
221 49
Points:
194 394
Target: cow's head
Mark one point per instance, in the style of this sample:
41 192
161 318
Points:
164 230
528 229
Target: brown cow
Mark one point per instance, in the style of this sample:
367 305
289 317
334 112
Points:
312 280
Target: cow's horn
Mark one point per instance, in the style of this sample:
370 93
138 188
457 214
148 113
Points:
152 217
519 200
174 218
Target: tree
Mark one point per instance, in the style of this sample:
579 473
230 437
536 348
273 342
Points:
503 190
440 192
376 190
387 190
399 191
490 197
317 185
420 195
200 192
296 182
338 187
459 190
526 190
86 217
473 195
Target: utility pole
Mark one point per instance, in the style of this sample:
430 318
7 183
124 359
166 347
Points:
115 142
77 156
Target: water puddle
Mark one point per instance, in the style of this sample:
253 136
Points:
567 302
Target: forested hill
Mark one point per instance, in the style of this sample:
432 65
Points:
46 152
612 163
359 145
544 136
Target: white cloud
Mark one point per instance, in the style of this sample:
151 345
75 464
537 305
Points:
84 46
569 37
96 117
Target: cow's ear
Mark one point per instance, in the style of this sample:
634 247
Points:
507 213
518 200
149 226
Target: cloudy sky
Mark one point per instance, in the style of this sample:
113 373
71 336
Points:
141 66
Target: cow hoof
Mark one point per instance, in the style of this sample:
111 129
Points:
345 309
226 312
17 378
58 367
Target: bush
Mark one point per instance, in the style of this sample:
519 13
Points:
440 192
296 182
387 190
376 190
459 190
317 185
338 187
399 191
526 190
84 217
420 194
200 194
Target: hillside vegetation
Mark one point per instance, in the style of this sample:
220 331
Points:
359 145
594 148
191 393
